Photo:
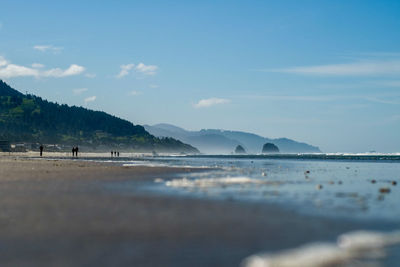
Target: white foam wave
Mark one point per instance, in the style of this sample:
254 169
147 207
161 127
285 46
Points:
144 163
213 182
359 248
361 240
359 154
156 164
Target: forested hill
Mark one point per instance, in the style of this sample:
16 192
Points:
29 118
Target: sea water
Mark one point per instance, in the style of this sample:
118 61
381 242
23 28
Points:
344 187
351 187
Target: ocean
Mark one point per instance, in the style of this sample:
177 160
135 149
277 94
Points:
348 187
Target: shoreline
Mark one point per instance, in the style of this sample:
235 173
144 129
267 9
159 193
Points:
59 212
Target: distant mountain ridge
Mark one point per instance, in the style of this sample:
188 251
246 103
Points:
215 141
29 118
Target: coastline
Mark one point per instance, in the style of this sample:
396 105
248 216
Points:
59 212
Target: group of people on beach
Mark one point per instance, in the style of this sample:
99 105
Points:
75 151
114 153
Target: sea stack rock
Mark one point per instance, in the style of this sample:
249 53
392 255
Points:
240 150
270 148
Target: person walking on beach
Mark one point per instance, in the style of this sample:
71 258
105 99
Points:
76 151
73 151
112 152
41 150
118 154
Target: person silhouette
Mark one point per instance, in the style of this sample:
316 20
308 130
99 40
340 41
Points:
73 151
117 153
41 150
76 151
112 152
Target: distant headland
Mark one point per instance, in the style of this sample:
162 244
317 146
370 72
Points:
216 141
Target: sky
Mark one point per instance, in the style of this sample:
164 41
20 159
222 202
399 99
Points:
322 72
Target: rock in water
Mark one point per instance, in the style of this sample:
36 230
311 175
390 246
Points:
270 148
384 190
240 150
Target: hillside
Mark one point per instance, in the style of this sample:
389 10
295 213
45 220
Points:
29 118
213 141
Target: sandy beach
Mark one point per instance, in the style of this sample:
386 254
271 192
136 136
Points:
62 213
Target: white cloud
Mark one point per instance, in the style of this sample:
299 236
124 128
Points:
134 93
153 86
90 99
140 68
362 68
79 91
146 69
11 70
8 70
48 48
72 70
3 62
125 70
37 65
204 103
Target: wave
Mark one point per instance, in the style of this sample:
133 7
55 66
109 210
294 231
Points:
313 156
358 248
214 182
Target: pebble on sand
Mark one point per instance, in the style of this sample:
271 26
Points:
373 181
394 183
340 182
384 190
318 187
307 172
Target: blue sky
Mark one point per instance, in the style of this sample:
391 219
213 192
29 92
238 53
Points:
322 72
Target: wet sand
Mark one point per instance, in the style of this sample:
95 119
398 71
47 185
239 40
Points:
62 213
